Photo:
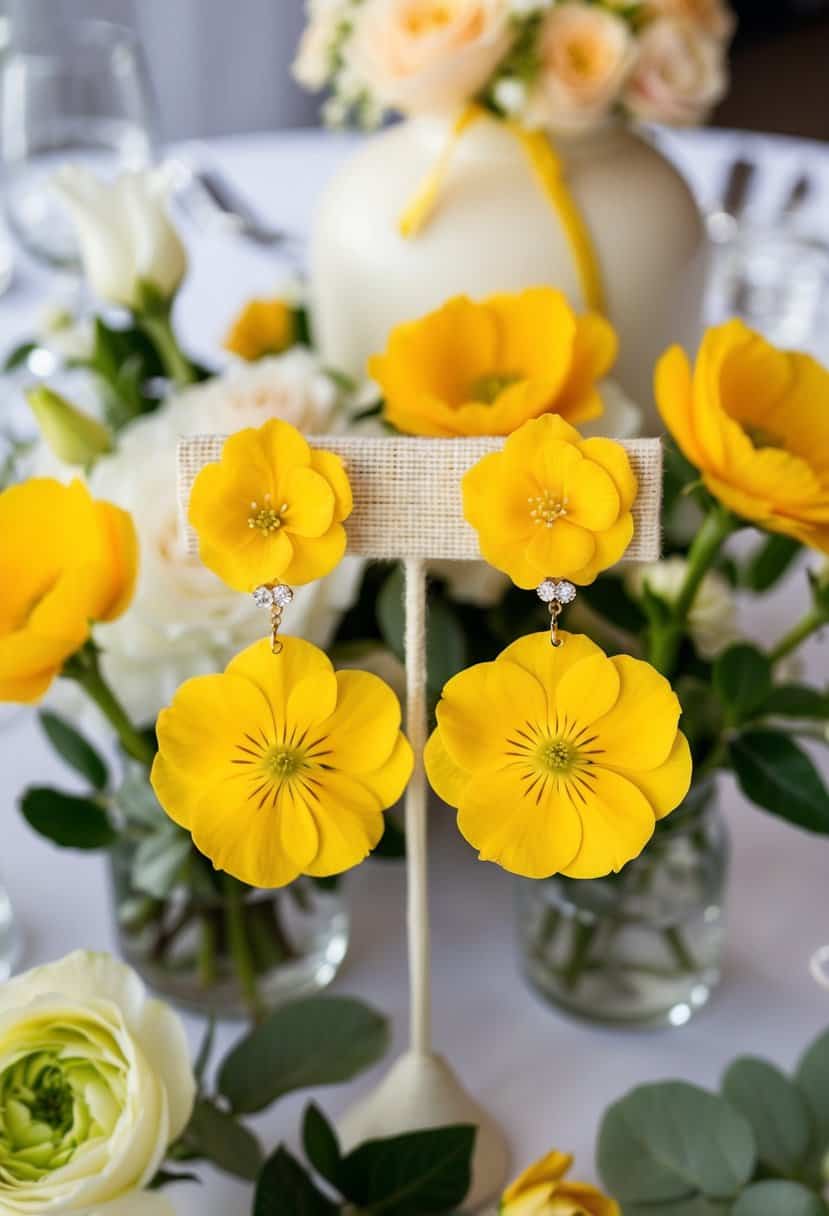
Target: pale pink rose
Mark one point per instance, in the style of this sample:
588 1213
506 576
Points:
585 56
680 75
428 56
715 17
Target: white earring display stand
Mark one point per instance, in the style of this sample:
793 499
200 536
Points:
408 507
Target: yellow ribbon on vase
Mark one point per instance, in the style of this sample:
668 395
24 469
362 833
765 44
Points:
549 171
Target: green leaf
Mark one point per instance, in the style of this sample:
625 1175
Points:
812 1077
797 701
322 1148
743 679
673 1142
160 861
321 1040
411 1175
776 1110
202 1061
221 1139
779 776
687 1207
18 356
769 563
778 1199
166 1177
74 749
73 823
285 1189
445 639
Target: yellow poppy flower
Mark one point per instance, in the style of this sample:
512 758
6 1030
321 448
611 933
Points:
542 1190
552 503
263 327
755 422
280 766
485 368
271 509
66 560
559 760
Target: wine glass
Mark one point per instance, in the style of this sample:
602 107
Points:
70 90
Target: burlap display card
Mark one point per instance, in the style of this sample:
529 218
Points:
407 493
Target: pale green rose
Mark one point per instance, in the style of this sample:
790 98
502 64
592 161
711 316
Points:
95 1084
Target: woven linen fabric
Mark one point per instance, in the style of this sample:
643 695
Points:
407 493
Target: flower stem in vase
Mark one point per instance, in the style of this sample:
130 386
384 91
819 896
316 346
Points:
584 934
207 950
240 947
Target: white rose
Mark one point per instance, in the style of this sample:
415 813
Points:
713 16
126 237
312 65
428 56
183 620
681 73
712 621
585 55
95 1084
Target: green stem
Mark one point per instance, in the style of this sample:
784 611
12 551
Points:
811 622
240 948
583 937
207 951
665 638
158 327
85 670
681 952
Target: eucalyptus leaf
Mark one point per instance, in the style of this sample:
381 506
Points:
743 680
221 1139
322 1148
159 861
136 801
673 1142
778 1199
410 1175
285 1188
321 1040
812 1078
779 776
71 746
776 1110
72 823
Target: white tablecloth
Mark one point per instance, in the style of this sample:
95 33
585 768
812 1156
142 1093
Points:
547 1079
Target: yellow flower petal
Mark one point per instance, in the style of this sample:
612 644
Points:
365 725
446 778
390 780
477 744
313 559
310 502
299 661
268 846
349 819
562 550
587 691
263 327
331 467
666 786
640 731
550 1168
548 664
592 498
613 458
621 824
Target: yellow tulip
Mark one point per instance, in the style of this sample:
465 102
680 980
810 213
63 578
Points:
271 509
559 760
485 368
66 560
280 766
755 422
542 1190
263 327
552 504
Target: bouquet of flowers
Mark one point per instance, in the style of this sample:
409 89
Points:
563 65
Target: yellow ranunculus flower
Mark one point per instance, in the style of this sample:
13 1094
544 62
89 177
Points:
271 509
263 327
66 560
280 766
559 760
485 368
542 1190
755 422
552 504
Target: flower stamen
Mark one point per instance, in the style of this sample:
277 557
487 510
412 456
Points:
545 508
266 519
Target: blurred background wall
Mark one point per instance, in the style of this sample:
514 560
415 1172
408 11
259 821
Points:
224 65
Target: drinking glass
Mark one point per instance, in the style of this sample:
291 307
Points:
71 90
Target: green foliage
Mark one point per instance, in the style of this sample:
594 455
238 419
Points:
813 1081
74 749
68 821
776 1110
392 846
797 701
445 640
778 1199
19 356
316 1041
285 1189
770 561
127 365
321 1146
743 681
776 774
215 1135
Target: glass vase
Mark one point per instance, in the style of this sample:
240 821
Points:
205 941
643 946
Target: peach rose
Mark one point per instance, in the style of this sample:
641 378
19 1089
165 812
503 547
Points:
713 16
585 55
422 56
680 75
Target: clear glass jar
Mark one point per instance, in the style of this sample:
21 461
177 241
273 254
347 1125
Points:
643 946
203 940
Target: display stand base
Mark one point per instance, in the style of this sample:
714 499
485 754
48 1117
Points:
422 1091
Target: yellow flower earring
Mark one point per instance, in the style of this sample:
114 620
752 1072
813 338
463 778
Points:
278 766
558 758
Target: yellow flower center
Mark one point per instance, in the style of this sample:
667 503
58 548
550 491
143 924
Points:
425 18
274 765
487 389
761 438
283 762
562 752
546 508
266 519
558 755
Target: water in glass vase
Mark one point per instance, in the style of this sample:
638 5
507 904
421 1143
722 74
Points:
643 946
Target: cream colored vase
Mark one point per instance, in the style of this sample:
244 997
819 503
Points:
494 230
